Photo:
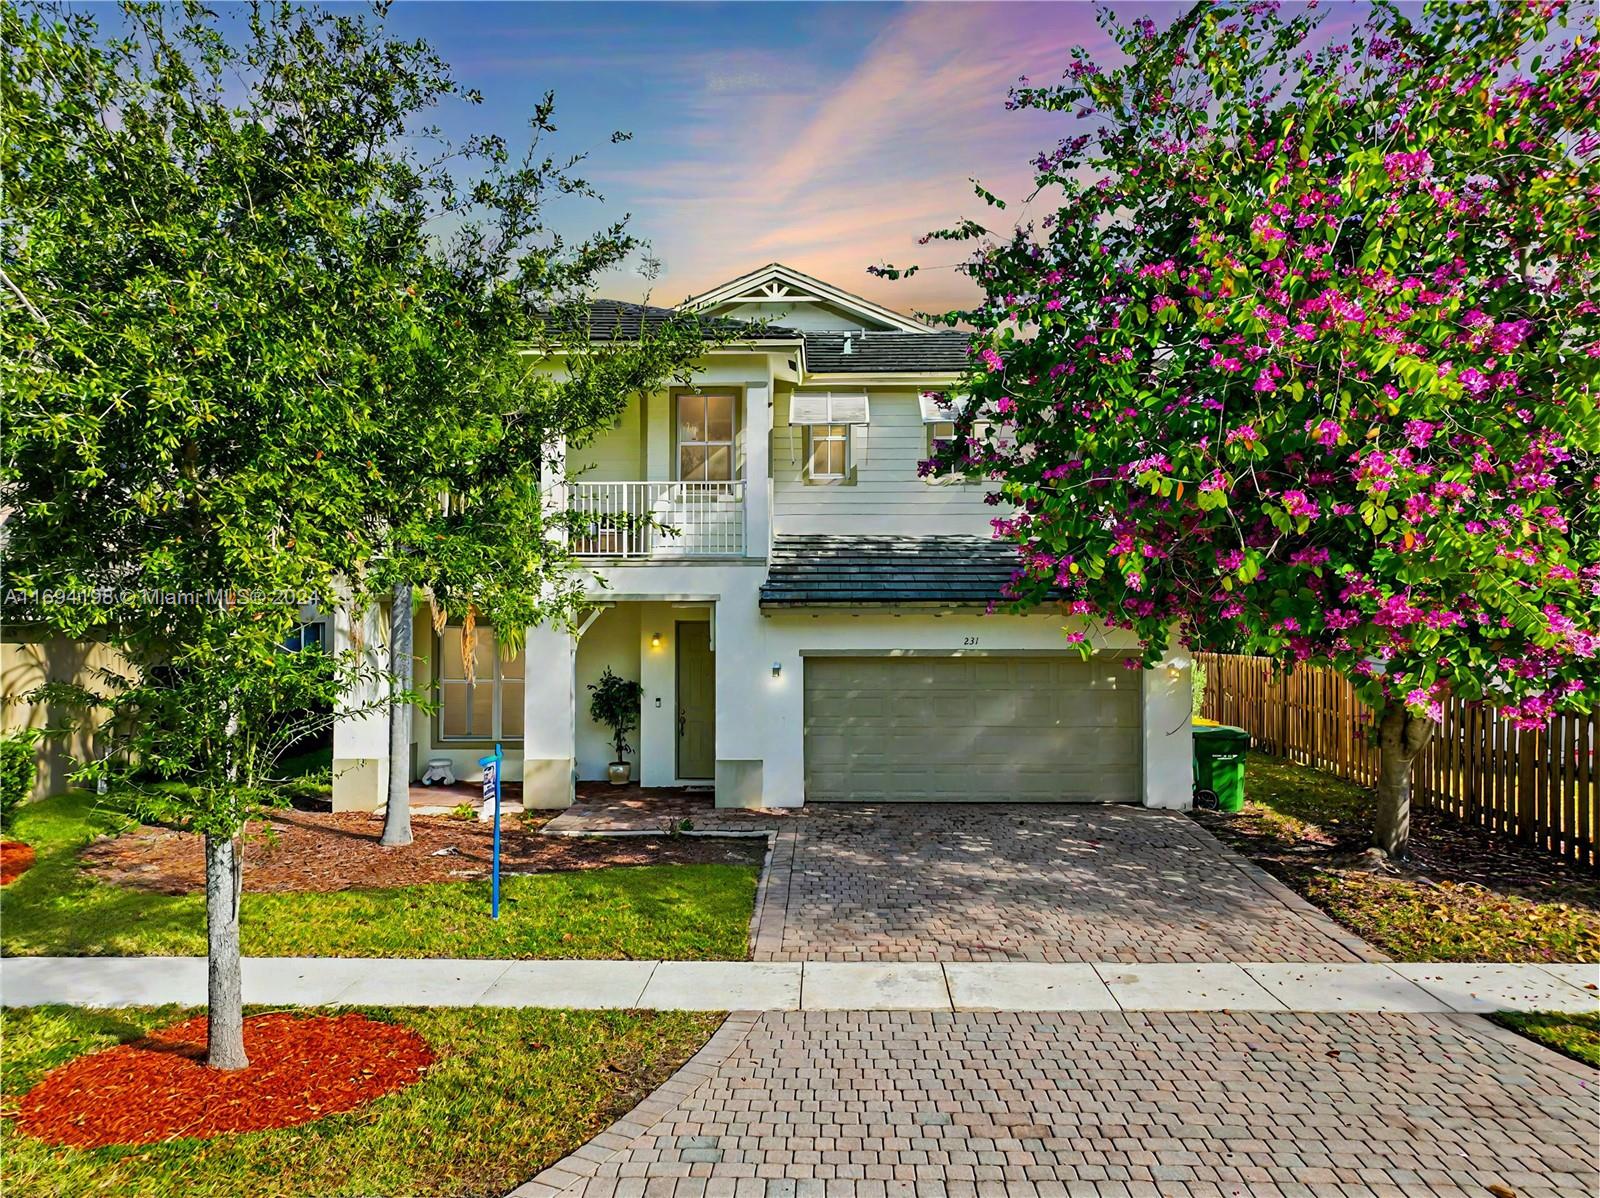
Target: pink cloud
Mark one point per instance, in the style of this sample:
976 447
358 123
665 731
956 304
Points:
842 173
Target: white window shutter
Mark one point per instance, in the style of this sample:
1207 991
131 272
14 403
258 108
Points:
848 409
808 407
827 407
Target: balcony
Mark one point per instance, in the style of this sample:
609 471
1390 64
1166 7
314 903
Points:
658 520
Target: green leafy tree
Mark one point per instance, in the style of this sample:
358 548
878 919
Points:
1302 363
497 373
226 325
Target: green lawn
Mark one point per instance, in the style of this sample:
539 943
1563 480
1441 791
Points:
1573 1035
1465 896
513 1092
685 912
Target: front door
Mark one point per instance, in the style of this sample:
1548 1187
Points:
697 701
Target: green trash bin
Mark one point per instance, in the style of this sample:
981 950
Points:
1219 767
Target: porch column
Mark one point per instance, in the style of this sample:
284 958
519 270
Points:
757 473
361 722
1168 738
549 726
746 695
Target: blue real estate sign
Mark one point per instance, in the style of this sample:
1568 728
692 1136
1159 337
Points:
491 794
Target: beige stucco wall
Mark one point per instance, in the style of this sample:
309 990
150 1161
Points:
760 746
26 665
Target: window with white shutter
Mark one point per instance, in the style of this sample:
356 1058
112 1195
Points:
828 407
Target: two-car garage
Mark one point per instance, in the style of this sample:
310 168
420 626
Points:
1043 728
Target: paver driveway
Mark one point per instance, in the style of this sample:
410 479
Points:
857 1104
1026 882
942 1104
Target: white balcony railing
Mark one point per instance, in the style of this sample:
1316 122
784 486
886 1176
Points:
659 520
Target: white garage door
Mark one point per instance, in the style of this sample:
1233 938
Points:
971 729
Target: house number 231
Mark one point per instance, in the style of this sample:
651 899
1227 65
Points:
969 640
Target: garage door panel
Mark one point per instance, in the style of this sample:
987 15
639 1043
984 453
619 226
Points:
971 729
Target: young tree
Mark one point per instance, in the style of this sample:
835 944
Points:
1303 361
222 306
502 369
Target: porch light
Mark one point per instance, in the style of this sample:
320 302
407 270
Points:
777 668
655 640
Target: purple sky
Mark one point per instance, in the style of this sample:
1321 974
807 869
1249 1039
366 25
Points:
825 136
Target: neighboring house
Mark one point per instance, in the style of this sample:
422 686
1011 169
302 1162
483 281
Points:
30 657
815 629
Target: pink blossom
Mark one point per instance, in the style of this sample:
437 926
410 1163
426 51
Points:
1325 432
1298 503
1419 432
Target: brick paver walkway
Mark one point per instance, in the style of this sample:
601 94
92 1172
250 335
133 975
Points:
601 809
992 882
786 1105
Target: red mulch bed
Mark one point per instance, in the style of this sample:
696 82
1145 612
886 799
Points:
16 859
301 1068
306 851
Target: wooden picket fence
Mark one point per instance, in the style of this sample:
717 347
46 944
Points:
1541 787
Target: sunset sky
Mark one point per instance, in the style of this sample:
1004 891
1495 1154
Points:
825 136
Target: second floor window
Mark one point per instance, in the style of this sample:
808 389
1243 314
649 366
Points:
706 438
941 433
830 451
488 708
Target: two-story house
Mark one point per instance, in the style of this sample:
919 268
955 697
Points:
813 625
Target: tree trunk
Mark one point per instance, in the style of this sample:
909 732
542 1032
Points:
397 816
1401 736
224 992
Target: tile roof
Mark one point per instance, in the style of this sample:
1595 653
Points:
617 320
806 571
886 353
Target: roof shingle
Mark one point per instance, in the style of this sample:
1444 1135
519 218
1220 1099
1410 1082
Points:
618 320
811 571
886 353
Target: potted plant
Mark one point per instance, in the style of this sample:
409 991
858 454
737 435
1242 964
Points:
616 705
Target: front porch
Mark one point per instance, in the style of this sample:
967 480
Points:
535 702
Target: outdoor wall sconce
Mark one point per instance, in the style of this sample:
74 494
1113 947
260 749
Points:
655 640
777 668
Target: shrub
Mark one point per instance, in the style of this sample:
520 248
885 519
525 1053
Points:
616 705
18 769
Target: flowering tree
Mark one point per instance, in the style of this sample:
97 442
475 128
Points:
1303 362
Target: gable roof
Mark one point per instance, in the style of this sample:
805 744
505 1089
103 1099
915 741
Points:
937 352
619 320
822 571
774 283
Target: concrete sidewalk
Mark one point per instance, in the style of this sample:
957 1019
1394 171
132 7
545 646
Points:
815 986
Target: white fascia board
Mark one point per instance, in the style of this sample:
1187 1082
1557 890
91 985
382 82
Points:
733 291
753 346
842 381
